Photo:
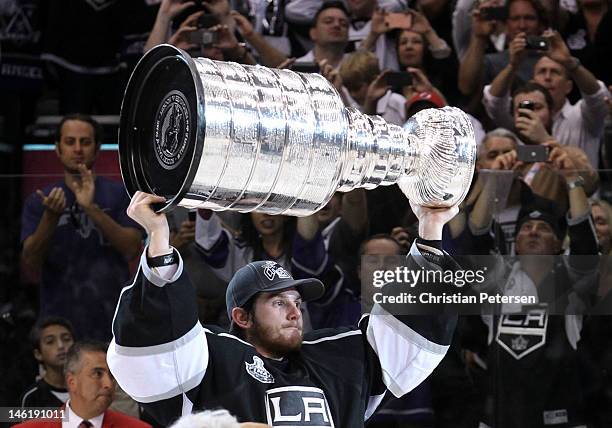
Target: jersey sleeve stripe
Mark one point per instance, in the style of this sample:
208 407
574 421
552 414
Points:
163 371
399 347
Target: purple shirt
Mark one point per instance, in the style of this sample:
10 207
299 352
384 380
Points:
83 274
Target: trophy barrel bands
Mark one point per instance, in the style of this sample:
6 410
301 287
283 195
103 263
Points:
224 136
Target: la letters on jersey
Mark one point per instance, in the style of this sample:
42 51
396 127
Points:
522 334
297 406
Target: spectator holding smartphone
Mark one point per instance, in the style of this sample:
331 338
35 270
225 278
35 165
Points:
208 32
579 125
369 90
360 14
525 18
462 26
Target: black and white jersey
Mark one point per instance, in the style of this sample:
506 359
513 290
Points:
166 360
41 394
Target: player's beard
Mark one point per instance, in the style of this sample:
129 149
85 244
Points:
265 337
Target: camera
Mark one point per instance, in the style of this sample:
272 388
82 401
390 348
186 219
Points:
494 13
207 20
537 43
203 37
398 79
529 105
532 153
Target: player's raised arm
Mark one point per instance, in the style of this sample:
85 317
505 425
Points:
159 350
408 348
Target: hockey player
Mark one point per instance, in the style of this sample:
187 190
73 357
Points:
267 371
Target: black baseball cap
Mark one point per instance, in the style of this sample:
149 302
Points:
540 208
267 276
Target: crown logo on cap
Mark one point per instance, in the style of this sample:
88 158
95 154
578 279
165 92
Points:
272 270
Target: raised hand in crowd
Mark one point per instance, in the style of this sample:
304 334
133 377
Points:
420 82
376 89
561 160
54 202
517 49
531 127
420 24
287 64
506 161
182 37
185 234
567 166
558 50
232 49
437 46
331 74
471 66
481 26
268 54
84 188
378 27
243 25
220 8
170 9
401 235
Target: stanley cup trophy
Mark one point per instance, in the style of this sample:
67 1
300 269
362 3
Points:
225 136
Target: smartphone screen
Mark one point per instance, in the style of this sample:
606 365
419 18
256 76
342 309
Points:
532 153
402 21
398 79
536 43
203 37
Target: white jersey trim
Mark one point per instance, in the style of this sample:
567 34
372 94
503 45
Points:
335 337
406 358
177 366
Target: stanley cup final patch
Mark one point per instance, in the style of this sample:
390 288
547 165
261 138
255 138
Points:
257 370
519 335
172 129
297 406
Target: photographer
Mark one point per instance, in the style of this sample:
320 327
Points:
207 33
579 125
525 18
387 24
361 15
369 90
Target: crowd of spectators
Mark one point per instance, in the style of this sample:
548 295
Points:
535 77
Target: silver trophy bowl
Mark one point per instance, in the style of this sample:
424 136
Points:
225 136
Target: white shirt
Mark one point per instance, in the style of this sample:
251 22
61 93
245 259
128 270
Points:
391 107
309 58
579 125
74 420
